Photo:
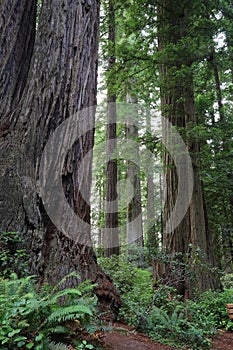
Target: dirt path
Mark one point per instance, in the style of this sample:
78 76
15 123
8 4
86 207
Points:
124 338
132 342
223 341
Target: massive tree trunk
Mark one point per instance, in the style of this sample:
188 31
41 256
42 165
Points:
18 26
61 82
177 99
17 34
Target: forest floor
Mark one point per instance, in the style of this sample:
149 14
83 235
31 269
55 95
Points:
126 338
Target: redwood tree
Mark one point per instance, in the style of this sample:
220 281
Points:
48 82
111 239
177 54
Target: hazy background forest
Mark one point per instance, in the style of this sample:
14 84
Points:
116 177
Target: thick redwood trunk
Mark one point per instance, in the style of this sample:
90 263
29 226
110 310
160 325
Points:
61 81
17 34
177 99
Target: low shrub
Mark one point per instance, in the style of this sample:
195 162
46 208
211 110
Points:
134 284
211 307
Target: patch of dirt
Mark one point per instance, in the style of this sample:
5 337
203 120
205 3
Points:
223 341
124 337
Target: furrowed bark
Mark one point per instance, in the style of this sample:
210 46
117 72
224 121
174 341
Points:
61 81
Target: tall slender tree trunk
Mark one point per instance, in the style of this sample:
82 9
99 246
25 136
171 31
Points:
177 100
111 240
218 89
61 81
134 207
152 238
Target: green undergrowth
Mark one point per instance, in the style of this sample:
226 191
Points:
47 319
56 317
161 314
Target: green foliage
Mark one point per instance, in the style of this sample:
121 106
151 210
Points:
227 281
133 283
31 319
85 345
210 307
12 257
192 323
162 314
173 327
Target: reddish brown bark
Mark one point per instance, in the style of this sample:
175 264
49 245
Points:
61 81
177 99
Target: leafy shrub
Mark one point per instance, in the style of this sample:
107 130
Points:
192 323
210 307
227 281
33 320
174 328
161 313
120 270
134 285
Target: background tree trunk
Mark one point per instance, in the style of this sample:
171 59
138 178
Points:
111 239
177 101
61 81
134 207
152 235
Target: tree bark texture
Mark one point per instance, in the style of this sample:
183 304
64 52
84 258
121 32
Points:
17 35
152 236
134 207
177 99
61 81
111 236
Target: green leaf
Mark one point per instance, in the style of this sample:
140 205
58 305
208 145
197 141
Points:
20 344
19 337
14 332
5 341
39 337
30 345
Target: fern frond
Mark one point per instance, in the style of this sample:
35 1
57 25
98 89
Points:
59 329
69 313
87 286
162 315
68 291
57 346
61 283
